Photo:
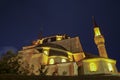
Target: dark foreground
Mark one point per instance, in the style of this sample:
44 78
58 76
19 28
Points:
81 77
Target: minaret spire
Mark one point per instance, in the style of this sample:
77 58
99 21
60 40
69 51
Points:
40 35
94 22
99 40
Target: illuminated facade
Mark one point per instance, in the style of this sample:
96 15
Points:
99 66
62 55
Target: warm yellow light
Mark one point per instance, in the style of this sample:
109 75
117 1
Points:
70 56
58 38
63 60
51 61
46 48
45 52
97 31
110 67
93 67
100 59
44 59
40 41
78 56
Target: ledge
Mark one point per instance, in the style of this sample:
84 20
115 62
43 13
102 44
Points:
81 77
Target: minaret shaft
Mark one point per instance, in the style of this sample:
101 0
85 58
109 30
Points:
100 42
102 50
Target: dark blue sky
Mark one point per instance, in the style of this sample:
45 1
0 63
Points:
22 20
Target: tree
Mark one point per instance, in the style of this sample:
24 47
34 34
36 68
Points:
4 66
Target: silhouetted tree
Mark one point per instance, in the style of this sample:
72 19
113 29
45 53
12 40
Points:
4 66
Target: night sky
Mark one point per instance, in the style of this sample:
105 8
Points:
21 22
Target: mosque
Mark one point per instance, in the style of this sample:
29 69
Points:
61 55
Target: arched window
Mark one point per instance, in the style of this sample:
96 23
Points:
63 60
110 67
51 61
93 67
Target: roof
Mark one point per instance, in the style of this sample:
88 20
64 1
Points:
89 55
52 45
71 44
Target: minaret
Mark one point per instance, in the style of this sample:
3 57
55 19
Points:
99 40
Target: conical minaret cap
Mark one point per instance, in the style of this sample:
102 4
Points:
94 22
